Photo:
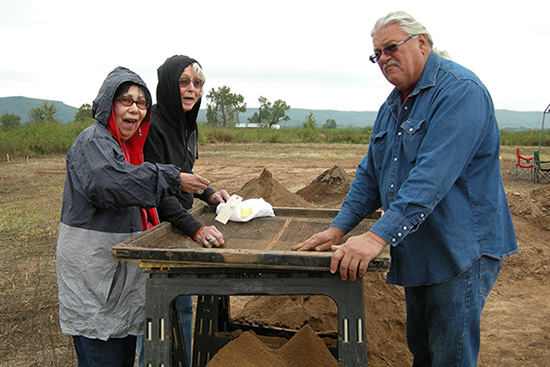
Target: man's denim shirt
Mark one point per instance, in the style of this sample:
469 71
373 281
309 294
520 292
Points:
433 165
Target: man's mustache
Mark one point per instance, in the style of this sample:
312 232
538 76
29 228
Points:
390 63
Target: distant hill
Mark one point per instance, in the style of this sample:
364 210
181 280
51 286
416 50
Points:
344 119
507 119
22 105
524 120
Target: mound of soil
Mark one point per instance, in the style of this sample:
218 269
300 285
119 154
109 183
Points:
384 318
530 211
292 312
329 189
269 189
533 205
305 349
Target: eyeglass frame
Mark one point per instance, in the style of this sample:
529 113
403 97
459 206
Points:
197 83
388 49
138 102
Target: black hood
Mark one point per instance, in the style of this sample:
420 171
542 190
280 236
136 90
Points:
168 92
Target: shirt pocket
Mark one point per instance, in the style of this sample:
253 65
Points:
413 135
379 149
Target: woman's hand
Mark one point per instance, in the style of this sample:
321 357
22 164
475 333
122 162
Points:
191 183
210 237
218 197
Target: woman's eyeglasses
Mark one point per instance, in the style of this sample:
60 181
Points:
389 50
128 101
184 83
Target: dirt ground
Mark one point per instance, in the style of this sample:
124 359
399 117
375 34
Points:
515 329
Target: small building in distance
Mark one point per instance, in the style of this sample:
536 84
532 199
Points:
255 125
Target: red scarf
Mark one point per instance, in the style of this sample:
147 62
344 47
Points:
133 153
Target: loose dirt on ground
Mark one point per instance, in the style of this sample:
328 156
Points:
515 329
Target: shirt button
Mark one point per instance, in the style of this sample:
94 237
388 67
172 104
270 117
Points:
391 186
395 159
399 234
399 133
422 216
411 129
404 228
393 239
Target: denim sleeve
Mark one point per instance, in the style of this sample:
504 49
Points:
456 121
362 199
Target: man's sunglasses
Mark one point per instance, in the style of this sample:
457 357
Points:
389 50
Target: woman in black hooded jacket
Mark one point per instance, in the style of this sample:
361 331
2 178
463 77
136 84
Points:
173 138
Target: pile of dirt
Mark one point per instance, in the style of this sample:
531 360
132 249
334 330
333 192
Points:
385 322
304 349
292 312
329 189
530 210
271 190
385 318
533 205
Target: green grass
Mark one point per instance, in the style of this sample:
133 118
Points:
42 140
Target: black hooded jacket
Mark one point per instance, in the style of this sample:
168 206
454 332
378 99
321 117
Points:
173 138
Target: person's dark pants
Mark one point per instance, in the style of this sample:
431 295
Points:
116 352
443 320
185 311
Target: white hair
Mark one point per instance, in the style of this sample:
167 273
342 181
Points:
409 25
200 75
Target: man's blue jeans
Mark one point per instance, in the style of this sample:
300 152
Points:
185 311
116 352
443 320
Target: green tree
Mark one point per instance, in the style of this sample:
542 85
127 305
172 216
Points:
330 124
223 107
309 122
9 121
84 113
270 114
44 114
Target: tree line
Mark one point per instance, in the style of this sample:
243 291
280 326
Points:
223 109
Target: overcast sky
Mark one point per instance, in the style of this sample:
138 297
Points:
311 54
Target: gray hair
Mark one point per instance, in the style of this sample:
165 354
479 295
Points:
409 25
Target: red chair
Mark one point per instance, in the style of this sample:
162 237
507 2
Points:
524 167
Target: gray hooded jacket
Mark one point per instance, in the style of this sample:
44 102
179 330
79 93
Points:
99 297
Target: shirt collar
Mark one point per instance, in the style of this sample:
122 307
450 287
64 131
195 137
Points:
427 79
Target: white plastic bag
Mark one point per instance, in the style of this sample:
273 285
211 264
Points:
249 209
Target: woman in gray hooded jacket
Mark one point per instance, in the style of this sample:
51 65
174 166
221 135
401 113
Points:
109 196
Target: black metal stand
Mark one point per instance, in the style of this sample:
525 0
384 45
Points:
161 349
